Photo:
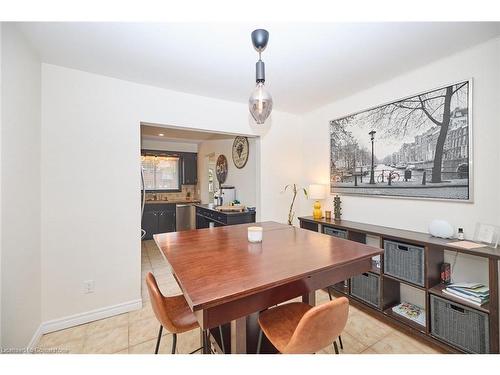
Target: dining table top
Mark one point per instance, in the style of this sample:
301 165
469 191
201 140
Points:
217 265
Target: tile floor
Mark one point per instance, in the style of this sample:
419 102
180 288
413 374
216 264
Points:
136 332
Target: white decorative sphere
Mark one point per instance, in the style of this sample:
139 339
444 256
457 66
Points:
441 228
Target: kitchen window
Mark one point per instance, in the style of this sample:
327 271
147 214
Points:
161 173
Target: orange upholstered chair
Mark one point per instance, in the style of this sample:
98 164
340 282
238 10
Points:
173 313
296 327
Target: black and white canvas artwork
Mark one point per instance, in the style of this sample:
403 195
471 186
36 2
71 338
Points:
417 147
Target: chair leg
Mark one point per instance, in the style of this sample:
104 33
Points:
174 342
329 293
222 340
159 339
335 347
340 342
259 343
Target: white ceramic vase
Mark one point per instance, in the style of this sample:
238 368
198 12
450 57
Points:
441 228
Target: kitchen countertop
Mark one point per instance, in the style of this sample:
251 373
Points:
174 201
205 206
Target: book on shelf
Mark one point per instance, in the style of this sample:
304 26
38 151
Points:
411 312
466 284
476 291
469 299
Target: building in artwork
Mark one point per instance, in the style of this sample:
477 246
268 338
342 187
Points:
421 152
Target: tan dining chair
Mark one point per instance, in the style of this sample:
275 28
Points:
298 328
174 314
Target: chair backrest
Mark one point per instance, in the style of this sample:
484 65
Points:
159 303
319 327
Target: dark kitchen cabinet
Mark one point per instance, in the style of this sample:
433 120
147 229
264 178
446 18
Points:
205 216
189 168
158 218
166 221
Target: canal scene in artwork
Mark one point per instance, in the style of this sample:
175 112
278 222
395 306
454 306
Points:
416 147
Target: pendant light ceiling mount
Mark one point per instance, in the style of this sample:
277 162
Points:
260 37
260 102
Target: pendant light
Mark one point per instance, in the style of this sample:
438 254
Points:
260 102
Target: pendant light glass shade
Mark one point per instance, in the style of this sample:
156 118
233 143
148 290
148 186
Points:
260 103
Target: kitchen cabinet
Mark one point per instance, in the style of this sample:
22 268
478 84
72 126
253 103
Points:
189 168
158 218
205 216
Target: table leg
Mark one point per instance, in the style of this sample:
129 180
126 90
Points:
309 298
239 336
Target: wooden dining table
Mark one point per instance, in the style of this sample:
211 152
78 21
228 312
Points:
228 280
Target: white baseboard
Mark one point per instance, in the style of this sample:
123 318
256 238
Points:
82 318
36 338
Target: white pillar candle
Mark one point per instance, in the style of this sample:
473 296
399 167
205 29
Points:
255 234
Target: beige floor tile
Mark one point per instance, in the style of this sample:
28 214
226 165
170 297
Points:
107 324
321 297
397 344
55 339
124 351
351 345
146 312
424 348
162 271
149 347
188 341
170 289
369 351
143 330
365 329
107 342
145 270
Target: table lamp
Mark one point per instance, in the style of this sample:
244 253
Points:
317 192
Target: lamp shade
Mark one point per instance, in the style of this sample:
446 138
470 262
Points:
317 192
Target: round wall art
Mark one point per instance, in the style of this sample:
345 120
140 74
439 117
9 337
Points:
221 169
240 152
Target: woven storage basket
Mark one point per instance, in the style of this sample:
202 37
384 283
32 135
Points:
366 287
460 325
335 232
404 261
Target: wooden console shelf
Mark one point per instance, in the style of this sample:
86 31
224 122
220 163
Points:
433 255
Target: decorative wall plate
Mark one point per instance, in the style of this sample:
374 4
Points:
240 151
221 169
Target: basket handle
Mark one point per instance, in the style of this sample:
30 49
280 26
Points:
456 308
365 274
402 247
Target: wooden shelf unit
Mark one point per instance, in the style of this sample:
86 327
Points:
434 249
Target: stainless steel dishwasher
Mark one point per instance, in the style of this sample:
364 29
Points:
185 216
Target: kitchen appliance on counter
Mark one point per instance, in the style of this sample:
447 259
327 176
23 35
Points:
185 216
226 195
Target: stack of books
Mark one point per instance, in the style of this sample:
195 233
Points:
476 293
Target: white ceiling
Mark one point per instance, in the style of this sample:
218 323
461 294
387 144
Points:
307 65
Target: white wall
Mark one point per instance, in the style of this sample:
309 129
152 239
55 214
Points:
482 64
90 205
166 145
20 189
244 180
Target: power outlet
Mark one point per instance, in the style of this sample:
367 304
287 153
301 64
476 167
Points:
88 286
